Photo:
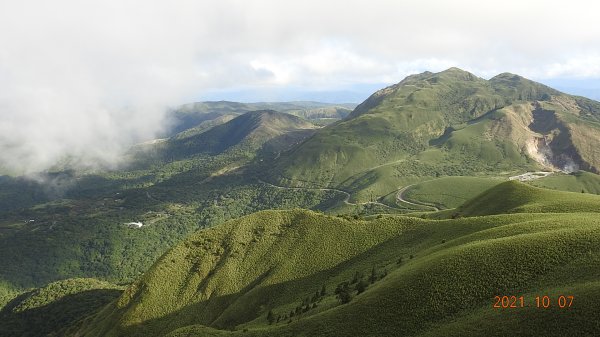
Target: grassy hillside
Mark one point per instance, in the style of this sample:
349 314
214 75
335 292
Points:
574 182
405 276
240 135
404 120
449 192
516 197
56 309
450 123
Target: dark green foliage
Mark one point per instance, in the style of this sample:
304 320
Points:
361 286
373 276
357 276
344 292
271 317
57 309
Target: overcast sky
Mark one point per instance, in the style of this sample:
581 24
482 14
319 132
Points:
87 78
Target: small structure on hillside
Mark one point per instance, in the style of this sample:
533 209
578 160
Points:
530 176
134 224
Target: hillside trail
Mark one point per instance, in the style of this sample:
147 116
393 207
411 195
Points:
346 194
400 197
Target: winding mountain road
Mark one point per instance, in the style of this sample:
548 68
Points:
400 197
346 198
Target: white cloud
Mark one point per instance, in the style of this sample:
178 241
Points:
86 78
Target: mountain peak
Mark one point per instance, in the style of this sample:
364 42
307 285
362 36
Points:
456 73
507 75
453 70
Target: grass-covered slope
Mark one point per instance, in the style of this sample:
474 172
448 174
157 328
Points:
575 182
403 120
56 309
517 197
450 123
417 277
245 133
222 277
449 192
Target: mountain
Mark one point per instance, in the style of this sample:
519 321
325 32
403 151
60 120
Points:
190 115
280 273
247 132
426 222
172 188
230 140
446 124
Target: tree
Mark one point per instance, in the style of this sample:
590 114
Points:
361 286
373 276
357 277
315 297
270 317
345 296
323 290
343 292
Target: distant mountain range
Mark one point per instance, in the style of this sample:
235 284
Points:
190 115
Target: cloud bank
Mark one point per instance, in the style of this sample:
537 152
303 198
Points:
83 80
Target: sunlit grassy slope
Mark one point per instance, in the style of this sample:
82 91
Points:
576 182
452 110
450 192
423 277
450 123
516 197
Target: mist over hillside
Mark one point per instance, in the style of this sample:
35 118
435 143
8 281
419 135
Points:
312 168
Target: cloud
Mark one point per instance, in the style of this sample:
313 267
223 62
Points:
84 79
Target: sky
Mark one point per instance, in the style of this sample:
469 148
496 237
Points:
86 79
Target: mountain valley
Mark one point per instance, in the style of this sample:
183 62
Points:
398 216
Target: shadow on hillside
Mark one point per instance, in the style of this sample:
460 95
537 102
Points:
56 317
228 312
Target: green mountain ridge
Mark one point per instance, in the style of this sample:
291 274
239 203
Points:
249 131
449 123
514 197
192 114
232 276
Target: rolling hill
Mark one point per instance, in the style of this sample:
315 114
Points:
275 274
191 115
247 133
